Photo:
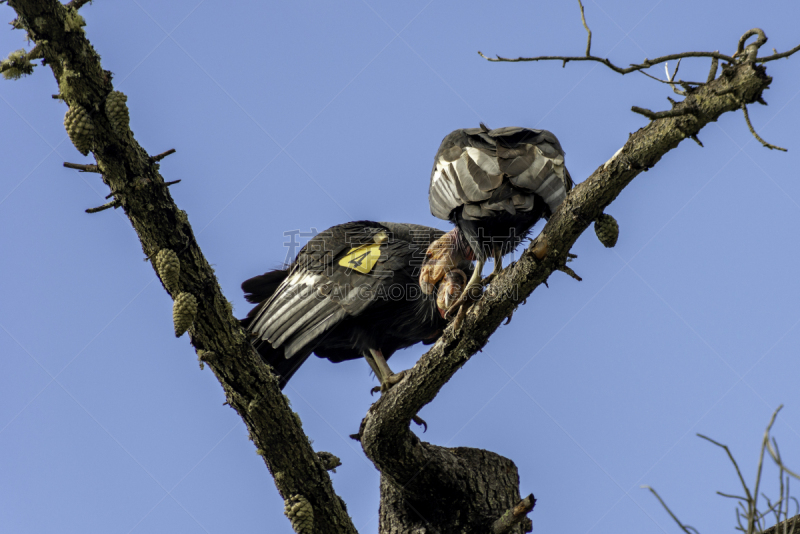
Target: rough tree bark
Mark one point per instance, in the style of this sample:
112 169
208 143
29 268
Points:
133 178
424 487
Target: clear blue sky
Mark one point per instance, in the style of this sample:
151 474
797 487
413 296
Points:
307 114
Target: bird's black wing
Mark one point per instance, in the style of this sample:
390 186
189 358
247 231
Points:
477 167
335 276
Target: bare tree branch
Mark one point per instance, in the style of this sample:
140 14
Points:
385 435
779 56
753 131
81 167
670 82
646 64
77 4
408 466
163 155
127 169
652 115
712 72
514 515
113 204
752 51
686 528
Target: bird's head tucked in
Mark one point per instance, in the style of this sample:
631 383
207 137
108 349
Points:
442 256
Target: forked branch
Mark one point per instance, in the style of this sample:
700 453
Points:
747 506
751 54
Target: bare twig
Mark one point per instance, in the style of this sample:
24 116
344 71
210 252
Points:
686 528
753 131
81 167
712 72
567 270
588 31
514 515
652 115
666 69
172 183
731 496
754 521
733 461
672 79
777 458
779 56
161 156
113 204
77 4
679 82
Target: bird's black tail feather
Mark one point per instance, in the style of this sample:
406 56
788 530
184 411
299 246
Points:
284 368
258 290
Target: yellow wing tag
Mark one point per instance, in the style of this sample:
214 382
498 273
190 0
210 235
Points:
363 258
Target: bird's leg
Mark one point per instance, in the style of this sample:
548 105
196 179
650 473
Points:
387 378
385 375
497 254
474 285
373 366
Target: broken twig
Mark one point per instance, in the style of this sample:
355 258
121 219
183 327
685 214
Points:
81 167
161 156
113 204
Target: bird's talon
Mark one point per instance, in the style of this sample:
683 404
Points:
421 422
460 317
390 381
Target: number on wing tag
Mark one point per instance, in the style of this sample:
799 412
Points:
363 258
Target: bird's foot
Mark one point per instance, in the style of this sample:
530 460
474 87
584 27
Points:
450 290
471 293
462 312
388 382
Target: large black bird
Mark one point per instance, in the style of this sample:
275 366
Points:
493 185
351 292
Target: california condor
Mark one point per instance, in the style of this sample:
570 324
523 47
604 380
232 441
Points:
493 185
351 292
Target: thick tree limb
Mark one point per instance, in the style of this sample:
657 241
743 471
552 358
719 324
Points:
385 434
789 526
126 168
